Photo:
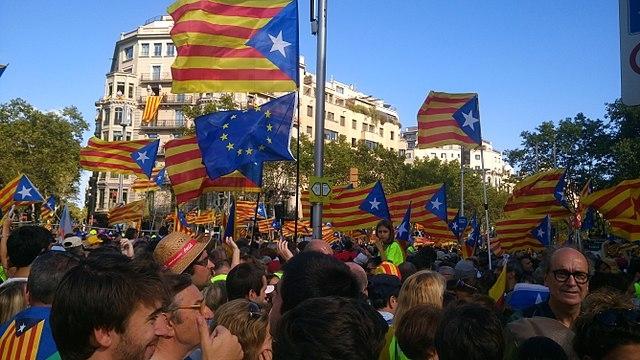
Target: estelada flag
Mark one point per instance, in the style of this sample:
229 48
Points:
131 212
446 118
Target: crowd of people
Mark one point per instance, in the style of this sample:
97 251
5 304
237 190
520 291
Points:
174 296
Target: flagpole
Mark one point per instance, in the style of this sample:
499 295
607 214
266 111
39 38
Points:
461 184
295 231
255 218
486 203
319 24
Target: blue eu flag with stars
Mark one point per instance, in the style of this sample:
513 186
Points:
438 203
375 203
244 139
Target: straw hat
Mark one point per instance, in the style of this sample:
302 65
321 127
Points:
177 250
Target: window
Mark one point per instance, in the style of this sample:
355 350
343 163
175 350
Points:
181 98
117 135
402 152
392 135
105 135
144 49
106 120
381 131
443 155
102 175
128 53
354 124
477 167
433 155
124 195
342 120
152 136
307 91
371 144
177 135
365 127
120 89
128 136
408 155
330 117
309 111
179 118
110 91
118 118
329 97
339 89
113 197
371 128
101 197
477 157
157 49
340 102
354 142
171 49
309 130
330 135
130 91
155 73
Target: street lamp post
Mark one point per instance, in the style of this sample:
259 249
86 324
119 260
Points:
126 121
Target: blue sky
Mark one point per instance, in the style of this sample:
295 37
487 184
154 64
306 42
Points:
530 61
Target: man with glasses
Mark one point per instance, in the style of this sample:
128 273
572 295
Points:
567 277
182 332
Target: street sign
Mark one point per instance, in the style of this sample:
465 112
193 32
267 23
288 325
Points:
320 190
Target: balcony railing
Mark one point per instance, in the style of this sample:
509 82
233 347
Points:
155 77
163 124
169 99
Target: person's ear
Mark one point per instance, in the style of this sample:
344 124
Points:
393 302
104 338
252 295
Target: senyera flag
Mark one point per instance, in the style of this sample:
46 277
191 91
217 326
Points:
235 46
133 211
446 118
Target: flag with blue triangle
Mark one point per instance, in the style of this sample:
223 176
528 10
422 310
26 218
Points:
376 203
559 191
458 225
65 226
474 237
438 203
145 157
542 232
403 231
262 211
161 178
26 192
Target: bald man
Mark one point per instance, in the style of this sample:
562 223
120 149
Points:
319 246
567 276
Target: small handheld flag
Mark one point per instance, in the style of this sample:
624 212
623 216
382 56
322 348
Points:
376 203
403 232
543 231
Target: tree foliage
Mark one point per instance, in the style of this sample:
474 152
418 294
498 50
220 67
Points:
43 146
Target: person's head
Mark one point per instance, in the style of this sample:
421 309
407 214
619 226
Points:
407 269
320 246
383 292
26 243
384 231
541 348
250 323
423 287
417 330
526 263
47 270
470 331
360 275
215 294
108 304
310 275
447 271
179 253
12 299
610 334
466 271
567 276
131 233
247 281
187 303
330 328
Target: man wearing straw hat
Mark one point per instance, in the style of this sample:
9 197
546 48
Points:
180 253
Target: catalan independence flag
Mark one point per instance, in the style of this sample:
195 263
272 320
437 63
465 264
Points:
235 46
133 211
47 210
620 206
120 157
446 118
151 108
437 230
517 233
19 191
28 336
143 183
542 193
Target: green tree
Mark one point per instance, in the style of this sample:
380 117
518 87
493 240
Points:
225 102
43 146
625 121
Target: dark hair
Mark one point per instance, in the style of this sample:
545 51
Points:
416 330
131 233
100 293
381 288
471 331
26 243
389 225
244 278
330 328
313 274
163 231
424 258
541 348
599 334
46 273
407 269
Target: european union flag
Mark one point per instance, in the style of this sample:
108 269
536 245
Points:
244 139
145 157
559 191
438 203
25 191
161 178
376 203
468 119
543 231
229 228
403 232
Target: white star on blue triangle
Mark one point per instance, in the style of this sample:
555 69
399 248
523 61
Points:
468 119
25 191
145 157
542 232
438 203
403 231
376 203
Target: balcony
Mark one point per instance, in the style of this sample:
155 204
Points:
369 135
169 100
163 124
155 77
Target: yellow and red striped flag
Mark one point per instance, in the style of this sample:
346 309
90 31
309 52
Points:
188 176
203 217
133 211
47 210
620 206
515 234
113 156
541 193
19 191
235 46
22 340
151 108
437 230
144 184
245 210
446 118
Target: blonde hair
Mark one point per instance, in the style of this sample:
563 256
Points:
249 326
12 299
423 287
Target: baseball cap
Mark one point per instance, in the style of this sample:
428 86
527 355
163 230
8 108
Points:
71 242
